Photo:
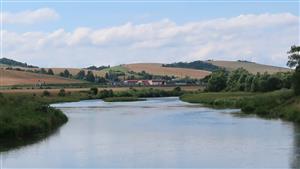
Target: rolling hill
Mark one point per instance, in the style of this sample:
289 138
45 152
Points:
157 69
250 66
12 77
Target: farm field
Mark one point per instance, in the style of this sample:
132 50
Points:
157 69
12 77
250 66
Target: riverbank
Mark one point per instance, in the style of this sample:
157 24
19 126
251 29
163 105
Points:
278 104
23 115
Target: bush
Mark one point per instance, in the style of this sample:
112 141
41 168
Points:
62 93
46 93
94 90
296 81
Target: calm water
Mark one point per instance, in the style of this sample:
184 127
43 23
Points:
162 132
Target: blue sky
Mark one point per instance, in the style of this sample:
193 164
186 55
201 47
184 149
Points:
98 18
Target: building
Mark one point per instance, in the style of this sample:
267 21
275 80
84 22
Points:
144 82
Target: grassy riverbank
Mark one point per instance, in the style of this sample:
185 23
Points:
279 104
22 117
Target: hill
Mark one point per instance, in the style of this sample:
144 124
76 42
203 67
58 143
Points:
158 69
201 65
9 62
250 66
13 77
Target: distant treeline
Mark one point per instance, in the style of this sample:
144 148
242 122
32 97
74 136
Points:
11 62
194 65
97 68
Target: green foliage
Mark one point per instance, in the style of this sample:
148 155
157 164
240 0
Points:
90 76
194 65
294 61
50 72
105 93
217 81
80 75
11 62
65 74
294 57
236 80
61 93
241 80
296 81
24 116
98 68
46 93
94 90
278 104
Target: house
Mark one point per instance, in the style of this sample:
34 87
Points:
144 82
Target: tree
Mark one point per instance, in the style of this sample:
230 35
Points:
90 76
50 72
294 61
217 81
236 80
62 93
94 90
80 74
294 57
43 71
66 73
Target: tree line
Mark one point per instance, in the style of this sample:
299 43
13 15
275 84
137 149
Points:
241 80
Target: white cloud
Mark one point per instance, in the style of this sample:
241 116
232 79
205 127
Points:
30 16
263 38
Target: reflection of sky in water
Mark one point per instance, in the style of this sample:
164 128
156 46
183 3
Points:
160 132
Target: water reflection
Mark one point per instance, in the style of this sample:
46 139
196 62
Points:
162 132
296 149
15 144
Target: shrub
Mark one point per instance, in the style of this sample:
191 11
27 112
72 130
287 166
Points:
46 93
62 93
94 90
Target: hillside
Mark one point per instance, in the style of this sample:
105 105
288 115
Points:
12 77
12 63
200 65
250 66
157 69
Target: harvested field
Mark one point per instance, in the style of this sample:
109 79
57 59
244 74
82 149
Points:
157 69
12 77
250 66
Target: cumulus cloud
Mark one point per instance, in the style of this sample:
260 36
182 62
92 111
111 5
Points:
30 16
263 38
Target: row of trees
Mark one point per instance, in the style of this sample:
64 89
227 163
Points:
242 80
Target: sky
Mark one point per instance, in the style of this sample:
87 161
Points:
80 34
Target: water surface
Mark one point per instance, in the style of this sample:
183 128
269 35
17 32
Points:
160 132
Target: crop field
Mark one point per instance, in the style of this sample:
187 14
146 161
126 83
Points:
157 69
12 77
250 66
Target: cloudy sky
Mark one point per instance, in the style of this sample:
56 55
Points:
79 34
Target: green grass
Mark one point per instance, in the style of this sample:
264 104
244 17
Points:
25 116
278 104
122 99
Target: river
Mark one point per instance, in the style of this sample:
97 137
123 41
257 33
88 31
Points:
160 132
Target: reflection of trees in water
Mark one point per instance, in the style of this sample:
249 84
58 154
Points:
9 144
296 149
